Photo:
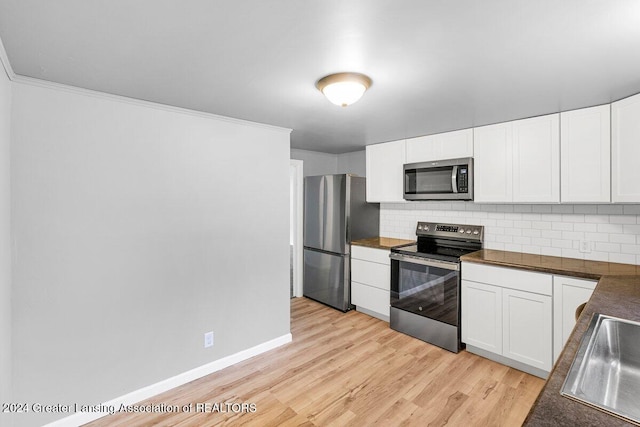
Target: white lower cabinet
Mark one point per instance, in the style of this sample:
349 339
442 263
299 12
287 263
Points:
370 300
569 294
527 328
482 316
370 281
507 315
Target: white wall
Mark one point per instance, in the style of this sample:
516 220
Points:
614 230
5 243
132 239
354 162
317 163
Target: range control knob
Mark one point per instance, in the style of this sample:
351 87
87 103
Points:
419 227
426 228
469 231
476 232
461 230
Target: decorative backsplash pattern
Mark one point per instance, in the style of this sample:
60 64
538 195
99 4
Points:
612 232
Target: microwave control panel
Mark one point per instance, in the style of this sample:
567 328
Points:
463 179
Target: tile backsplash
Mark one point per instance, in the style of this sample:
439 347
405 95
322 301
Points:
611 232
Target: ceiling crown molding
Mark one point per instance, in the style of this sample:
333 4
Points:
4 59
5 62
30 81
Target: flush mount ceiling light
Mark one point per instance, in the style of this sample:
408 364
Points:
344 88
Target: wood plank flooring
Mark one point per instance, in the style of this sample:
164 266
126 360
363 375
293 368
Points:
350 370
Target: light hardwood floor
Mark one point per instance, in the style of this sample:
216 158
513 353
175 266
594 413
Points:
351 369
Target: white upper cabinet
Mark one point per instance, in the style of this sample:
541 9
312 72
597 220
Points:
585 147
493 163
588 155
448 145
625 150
518 161
384 171
536 159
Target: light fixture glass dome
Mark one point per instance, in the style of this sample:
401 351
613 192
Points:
344 88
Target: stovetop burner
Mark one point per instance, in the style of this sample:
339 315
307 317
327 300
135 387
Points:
447 242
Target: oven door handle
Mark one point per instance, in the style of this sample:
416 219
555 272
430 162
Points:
428 262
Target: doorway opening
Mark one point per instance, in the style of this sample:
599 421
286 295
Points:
295 227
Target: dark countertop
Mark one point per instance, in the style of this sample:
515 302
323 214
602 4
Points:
382 242
553 265
617 294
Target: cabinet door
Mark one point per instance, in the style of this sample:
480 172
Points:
569 294
625 150
527 328
536 159
422 149
492 146
585 146
384 171
448 145
455 145
482 316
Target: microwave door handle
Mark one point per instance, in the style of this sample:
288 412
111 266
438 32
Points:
454 178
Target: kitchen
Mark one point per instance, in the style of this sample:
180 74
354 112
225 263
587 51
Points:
538 307
109 143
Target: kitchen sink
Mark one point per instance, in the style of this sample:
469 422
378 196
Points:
606 370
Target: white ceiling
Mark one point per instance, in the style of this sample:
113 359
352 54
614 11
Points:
436 65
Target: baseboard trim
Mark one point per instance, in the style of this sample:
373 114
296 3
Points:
509 362
173 382
373 314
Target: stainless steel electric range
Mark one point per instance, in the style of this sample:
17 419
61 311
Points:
425 282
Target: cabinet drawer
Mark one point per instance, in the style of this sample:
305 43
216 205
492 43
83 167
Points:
370 254
374 299
371 273
526 281
575 282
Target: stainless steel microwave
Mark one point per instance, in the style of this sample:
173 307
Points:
450 179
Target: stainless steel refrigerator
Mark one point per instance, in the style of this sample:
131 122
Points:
335 213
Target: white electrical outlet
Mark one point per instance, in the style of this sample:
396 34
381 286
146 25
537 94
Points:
585 246
208 339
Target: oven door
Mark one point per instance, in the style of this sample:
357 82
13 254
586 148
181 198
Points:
426 287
